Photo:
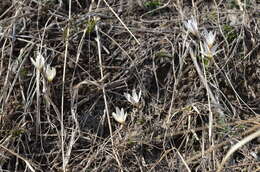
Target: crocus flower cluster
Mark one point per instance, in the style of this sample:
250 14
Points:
39 64
192 26
207 47
134 99
119 115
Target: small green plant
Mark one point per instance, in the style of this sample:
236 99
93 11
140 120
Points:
233 4
230 33
141 121
205 61
224 128
23 72
90 25
241 126
213 16
17 132
163 54
130 142
151 5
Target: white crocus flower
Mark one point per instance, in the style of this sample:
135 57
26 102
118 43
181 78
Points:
134 98
39 62
209 38
50 72
207 51
192 26
120 115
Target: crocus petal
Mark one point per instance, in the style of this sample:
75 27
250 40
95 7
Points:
127 96
139 95
50 72
134 93
119 116
33 62
134 98
118 111
39 61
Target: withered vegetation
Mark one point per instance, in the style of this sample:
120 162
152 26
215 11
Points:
193 109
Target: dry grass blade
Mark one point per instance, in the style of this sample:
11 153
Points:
205 83
105 98
64 159
27 162
121 21
237 146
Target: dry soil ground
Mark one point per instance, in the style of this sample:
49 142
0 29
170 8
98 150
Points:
197 112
